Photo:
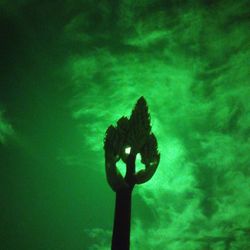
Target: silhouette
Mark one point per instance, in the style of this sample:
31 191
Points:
124 141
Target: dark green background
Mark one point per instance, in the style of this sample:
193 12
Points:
69 69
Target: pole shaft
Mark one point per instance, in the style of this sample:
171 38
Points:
121 228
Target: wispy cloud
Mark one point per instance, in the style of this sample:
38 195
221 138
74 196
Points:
100 238
192 70
6 129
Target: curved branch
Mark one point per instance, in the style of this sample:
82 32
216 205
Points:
146 174
113 175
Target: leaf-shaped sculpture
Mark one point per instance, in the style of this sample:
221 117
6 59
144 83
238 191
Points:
136 134
122 129
139 127
150 157
112 145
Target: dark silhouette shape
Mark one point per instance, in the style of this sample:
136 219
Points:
130 137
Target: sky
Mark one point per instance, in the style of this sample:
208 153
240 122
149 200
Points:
70 69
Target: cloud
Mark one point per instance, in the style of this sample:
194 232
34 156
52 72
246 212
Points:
6 129
190 61
192 69
99 237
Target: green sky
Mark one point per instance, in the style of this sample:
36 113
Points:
69 69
